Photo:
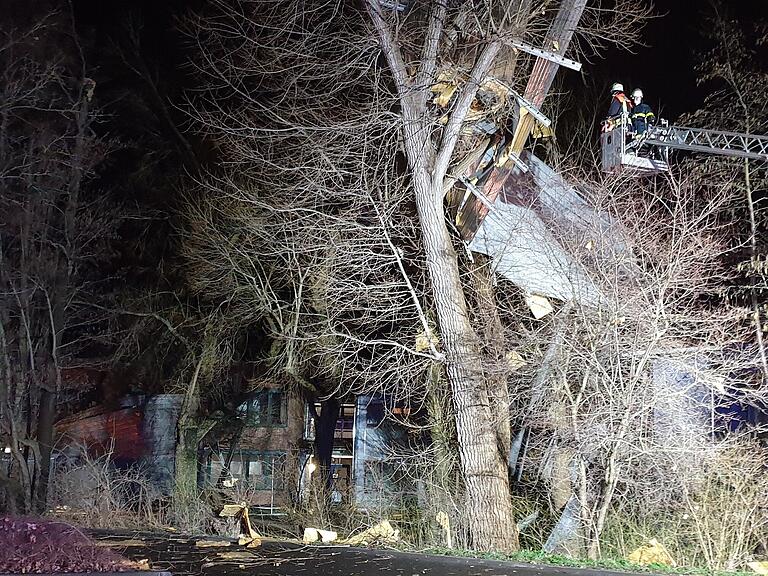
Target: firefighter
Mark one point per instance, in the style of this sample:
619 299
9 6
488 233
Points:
618 112
620 104
642 116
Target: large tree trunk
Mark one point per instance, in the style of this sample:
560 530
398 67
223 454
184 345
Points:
496 368
482 452
190 430
483 460
325 430
45 419
188 440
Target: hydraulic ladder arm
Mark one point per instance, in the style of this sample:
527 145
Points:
709 141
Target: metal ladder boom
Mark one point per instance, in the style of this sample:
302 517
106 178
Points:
709 141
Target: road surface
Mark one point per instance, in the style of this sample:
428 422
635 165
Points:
182 556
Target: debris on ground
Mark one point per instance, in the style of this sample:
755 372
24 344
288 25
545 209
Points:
120 543
653 552
312 535
32 546
142 564
248 536
758 567
381 533
212 543
234 556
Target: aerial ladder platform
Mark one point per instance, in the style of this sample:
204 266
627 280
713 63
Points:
649 153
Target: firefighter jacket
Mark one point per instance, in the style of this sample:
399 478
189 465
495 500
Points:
642 117
620 105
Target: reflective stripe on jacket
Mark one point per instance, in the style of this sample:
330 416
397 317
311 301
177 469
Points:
642 117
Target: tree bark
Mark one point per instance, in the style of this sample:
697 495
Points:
483 461
186 462
45 420
188 436
325 430
496 369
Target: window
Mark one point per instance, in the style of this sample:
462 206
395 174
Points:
265 470
266 408
374 413
257 470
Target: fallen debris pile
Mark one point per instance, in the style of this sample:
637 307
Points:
381 533
30 546
312 535
653 552
248 536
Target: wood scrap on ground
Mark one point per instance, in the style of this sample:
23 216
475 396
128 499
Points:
381 533
248 536
212 543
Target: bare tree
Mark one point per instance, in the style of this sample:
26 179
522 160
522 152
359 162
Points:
731 70
53 238
623 403
329 212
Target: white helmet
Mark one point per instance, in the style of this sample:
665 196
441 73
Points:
637 93
617 87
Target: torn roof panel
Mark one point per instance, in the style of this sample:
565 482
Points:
562 206
537 223
526 253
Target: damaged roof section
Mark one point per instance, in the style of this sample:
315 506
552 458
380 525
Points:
508 204
525 252
487 113
532 227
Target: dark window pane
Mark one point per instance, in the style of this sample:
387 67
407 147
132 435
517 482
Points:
276 408
374 413
266 408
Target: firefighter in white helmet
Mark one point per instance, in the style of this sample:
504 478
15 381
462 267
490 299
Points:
620 104
642 116
618 112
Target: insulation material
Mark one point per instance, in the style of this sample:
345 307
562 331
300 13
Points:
651 553
514 360
758 567
538 305
381 533
425 342
493 97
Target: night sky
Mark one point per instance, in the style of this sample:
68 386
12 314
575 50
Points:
665 68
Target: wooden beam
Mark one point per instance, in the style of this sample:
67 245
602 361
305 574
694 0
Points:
544 71
539 84
547 55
